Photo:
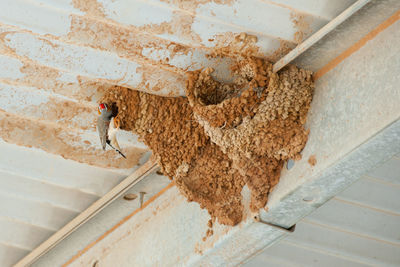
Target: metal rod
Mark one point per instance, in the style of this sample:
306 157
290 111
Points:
90 212
318 35
141 198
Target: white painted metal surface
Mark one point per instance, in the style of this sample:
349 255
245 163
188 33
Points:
143 171
330 26
347 33
358 227
355 116
57 58
102 41
93 229
40 193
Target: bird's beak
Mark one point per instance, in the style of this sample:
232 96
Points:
98 111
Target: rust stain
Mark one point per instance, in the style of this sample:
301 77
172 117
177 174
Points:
355 47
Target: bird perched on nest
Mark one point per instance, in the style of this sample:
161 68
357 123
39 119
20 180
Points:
107 128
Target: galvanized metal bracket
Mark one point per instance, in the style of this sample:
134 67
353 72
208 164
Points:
278 227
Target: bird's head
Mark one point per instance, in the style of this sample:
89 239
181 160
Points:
102 108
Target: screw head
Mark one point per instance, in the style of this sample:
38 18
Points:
308 199
130 196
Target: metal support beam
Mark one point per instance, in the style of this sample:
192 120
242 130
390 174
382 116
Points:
90 212
330 26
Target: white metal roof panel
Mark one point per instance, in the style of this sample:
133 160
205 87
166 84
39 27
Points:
359 227
58 57
338 161
40 192
318 8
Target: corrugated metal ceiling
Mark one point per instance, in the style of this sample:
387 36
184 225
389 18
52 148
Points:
359 227
58 57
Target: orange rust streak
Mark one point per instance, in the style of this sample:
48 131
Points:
355 47
80 253
317 75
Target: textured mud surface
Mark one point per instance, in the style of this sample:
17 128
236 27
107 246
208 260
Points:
223 136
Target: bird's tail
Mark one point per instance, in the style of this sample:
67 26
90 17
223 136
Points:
109 143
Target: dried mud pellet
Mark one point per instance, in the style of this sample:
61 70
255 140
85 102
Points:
223 136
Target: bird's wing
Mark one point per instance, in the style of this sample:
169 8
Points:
102 128
112 134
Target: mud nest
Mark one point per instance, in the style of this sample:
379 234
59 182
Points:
223 136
